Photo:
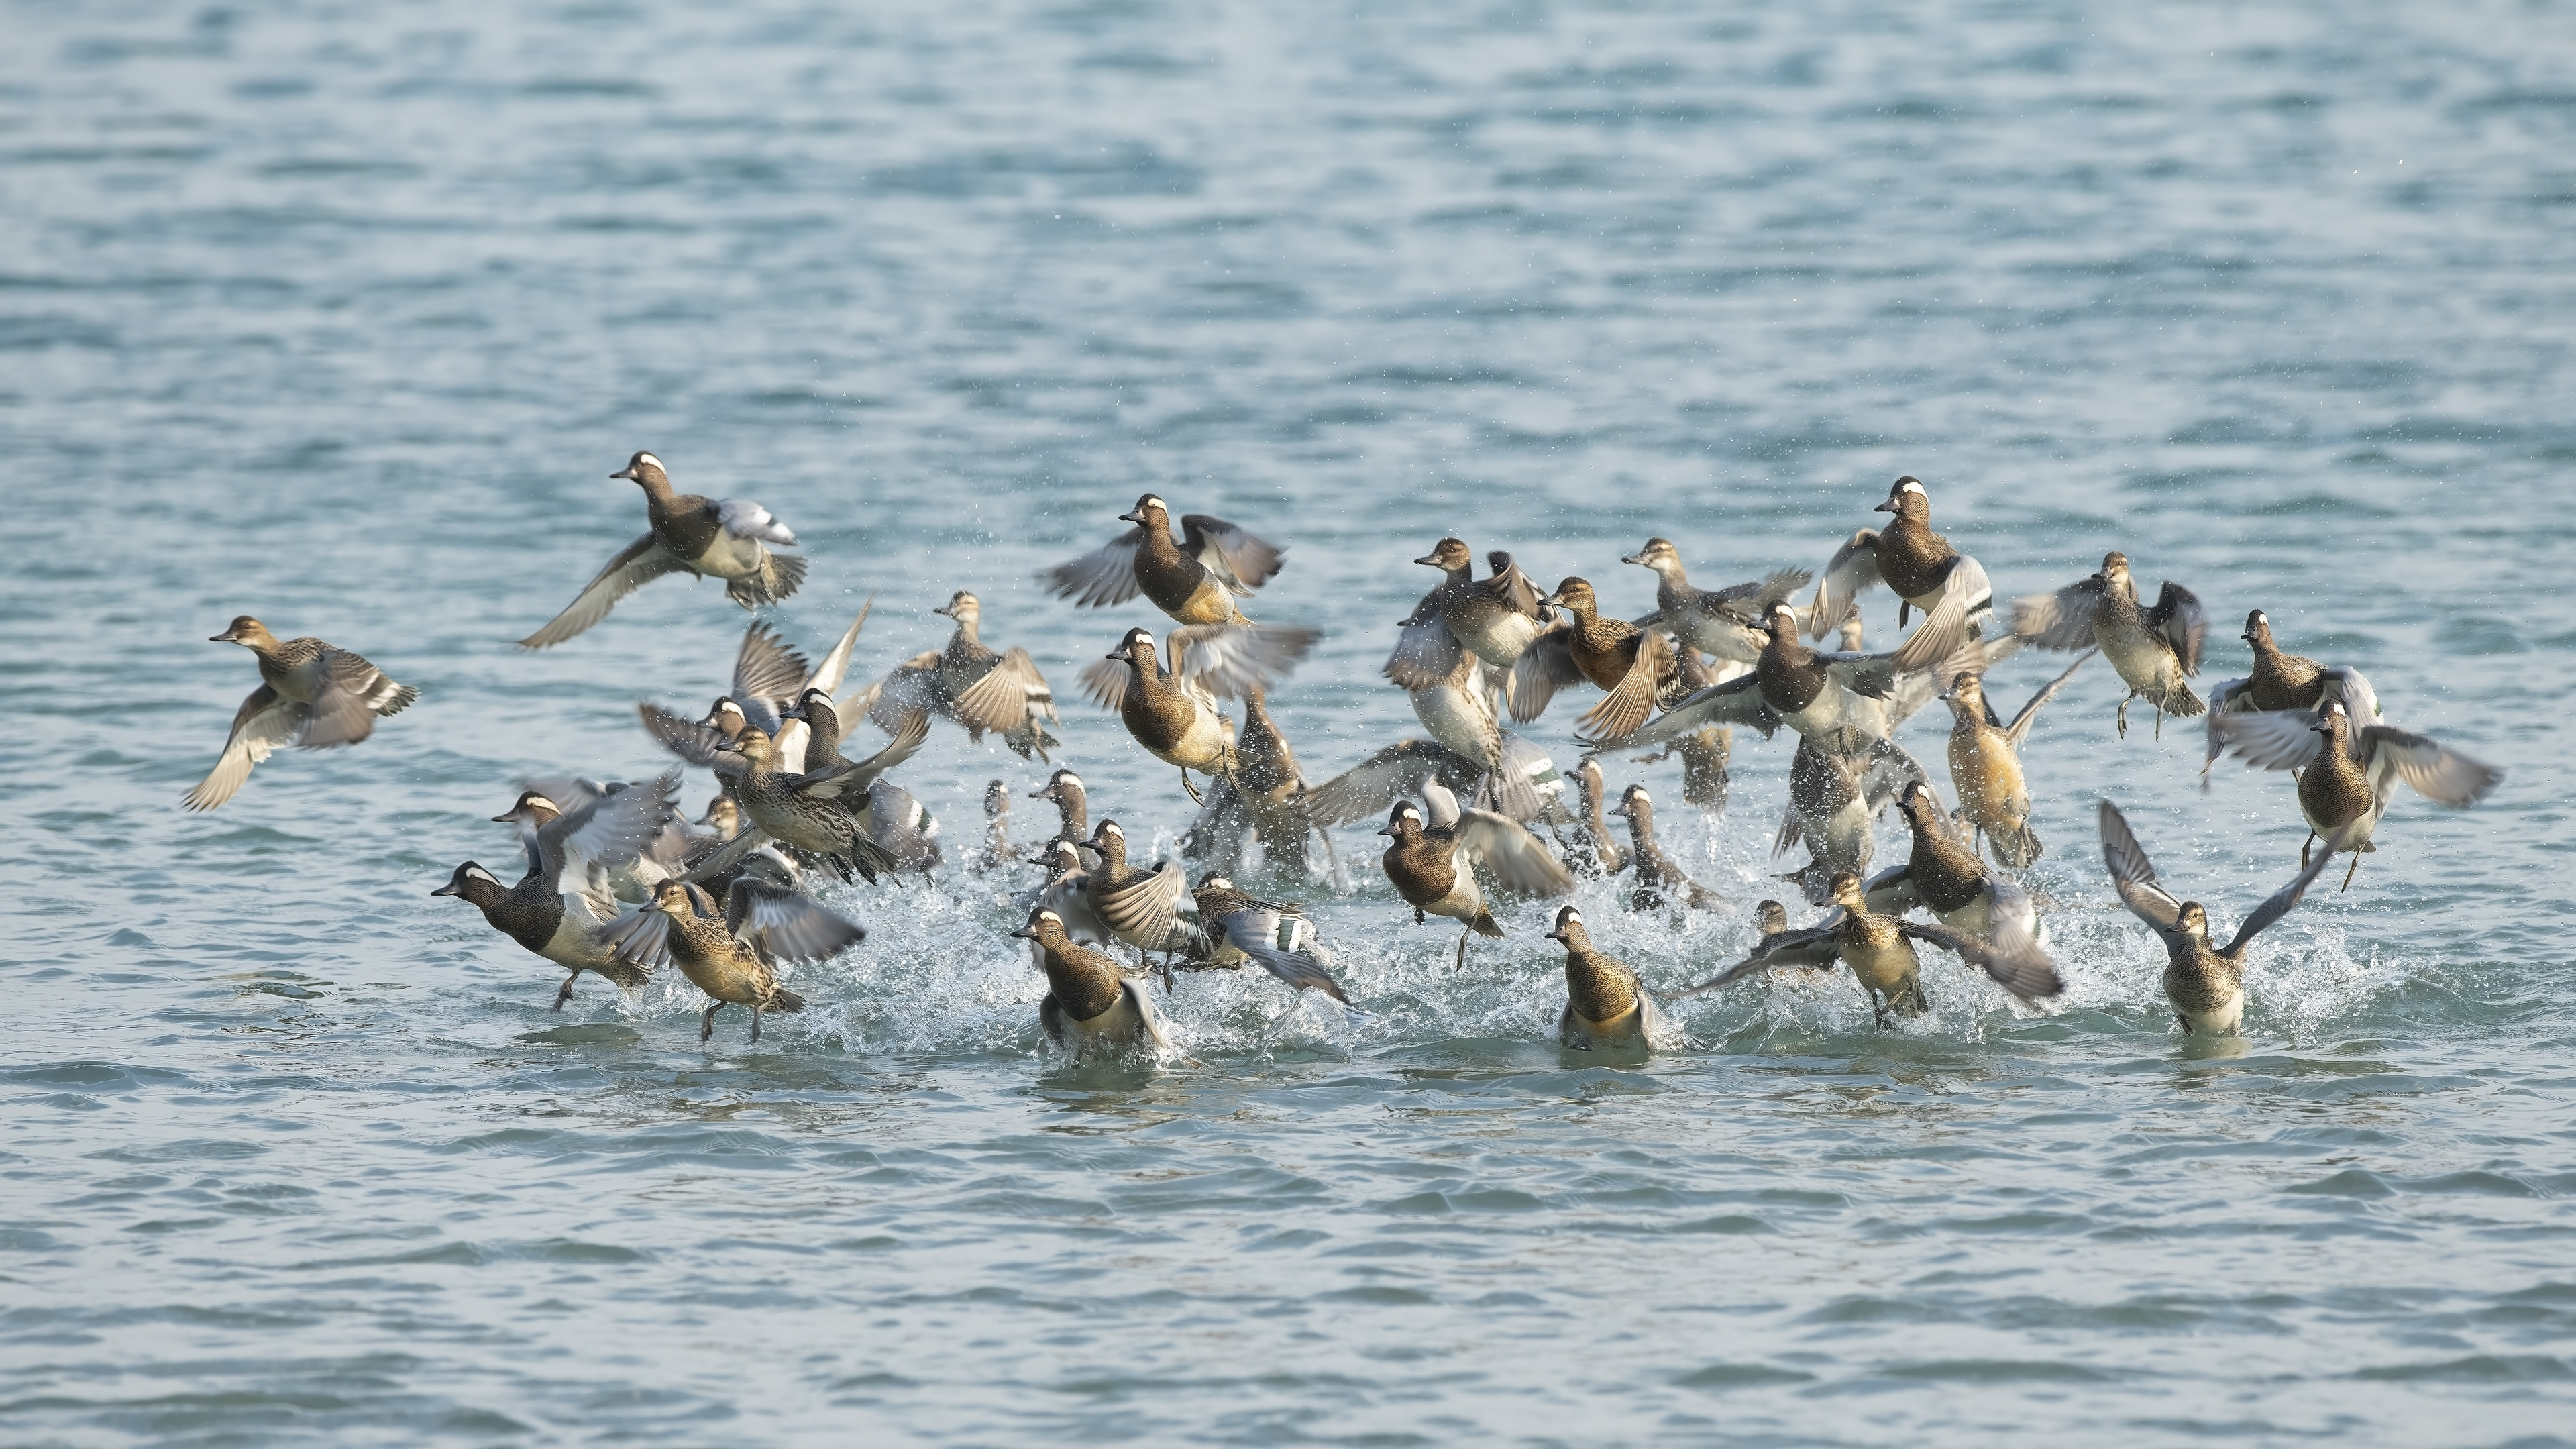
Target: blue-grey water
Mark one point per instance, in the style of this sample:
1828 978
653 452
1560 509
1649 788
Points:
341 316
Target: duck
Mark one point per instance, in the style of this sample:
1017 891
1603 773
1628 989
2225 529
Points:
2347 774
969 683
733 958
2206 985
1606 1007
823 813
723 538
1879 950
1842 701
1064 790
1366 790
1172 713
1660 882
1771 921
311 695
1834 804
2154 649
997 823
1459 712
771 680
1495 618
1090 1008
1985 764
1195 582
1067 892
2280 681
1235 927
1635 666
631 869
540 912
1433 861
1725 622
1606 856
1271 786
1944 875
1921 566
1139 907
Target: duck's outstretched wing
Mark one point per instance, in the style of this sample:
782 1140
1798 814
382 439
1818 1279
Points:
1520 863
1625 709
2059 620
849 783
1247 932
827 676
2019 729
1240 559
1545 667
2438 772
1851 572
1147 910
1373 785
265 721
767 676
1426 653
1736 702
1945 628
1233 659
1008 694
639 938
608 831
2177 616
1104 576
1786 949
2133 875
788 925
638 564
2277 906
908 689
2017 964
745 519
2272 739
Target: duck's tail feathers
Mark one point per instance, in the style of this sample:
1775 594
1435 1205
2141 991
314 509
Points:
626 974
2016 851
786 1000
1484 925
781 574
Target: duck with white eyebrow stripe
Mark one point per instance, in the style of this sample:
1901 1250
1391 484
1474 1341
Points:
1923 568
1606 1008
2347 774
1090 1005
724 538
1432 863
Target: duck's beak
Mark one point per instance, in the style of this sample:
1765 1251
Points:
1132 516
1634 558
506 818
1025 934
1118 655
1432 559
1888 507
226 637
1390 830
448 889
627 473
945 612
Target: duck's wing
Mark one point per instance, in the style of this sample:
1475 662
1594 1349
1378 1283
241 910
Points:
1519 862
1791 832
1509 584
1887 770
353 693
2133 875
2016 963
2277 906
1104 576
1945 628
2232 696
1232 659
1777 587
638 564
2272 739
1891 891
2438 772
1773 951
1007 695
1545 667
1624 709
767 675
690 740
2177 616
608 831
1372 786
786 924
2019 729
745 519
1106 680
1241 560
265 721
1426 653
1439 806
908 689
1736 702
827 676
849 783
1851 572
1146 908
639 938
2062 620
1256 934
787 747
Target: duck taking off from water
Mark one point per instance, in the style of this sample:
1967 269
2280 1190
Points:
1606 1007
311 695
2154 649
1433 861
1920 565
2346 775
733 958
1091 1007
2205 985
724 538
1985 764
983 691
1196 581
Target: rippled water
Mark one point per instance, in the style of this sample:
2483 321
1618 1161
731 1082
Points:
341 317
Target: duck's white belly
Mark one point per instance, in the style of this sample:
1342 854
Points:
1457 720
731 556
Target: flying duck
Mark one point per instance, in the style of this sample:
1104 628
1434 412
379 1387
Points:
1636 666
2154 649
1172 712
1942 873
1920 565
1367 789
1659 882
1606 1008
1985 764
2205 985
724 538
1090 1006
543 913
1432 863
969 683
1495 618
1274 935
733 958
1834 804
1140 907
1195 582
2346 774
1726 622
311 695
1880 952
2281 681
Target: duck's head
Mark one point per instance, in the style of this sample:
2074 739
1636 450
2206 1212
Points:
1569 931
962 606
1919 803
1658 554
752 744
1781 624
2258 629
1041 924
1967 691
532 807
2115 569
247 632
1058 855
1404 822
2331 718
1636 804
997 798
1906 499
723 816
2192 921
1061 786
1135 647
1844 890
1770 918
1149 512
726 718
1449 554
471 880
1574 594
672 898
645 469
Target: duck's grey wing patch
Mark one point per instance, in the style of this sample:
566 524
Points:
2177 615
724 856
1241 560
1625 709
1233 659
1963 592
1777 587
1297 969
353 693
1851 572
2272 739
1520 863
1545 667
2019 729
1891 891
691 741
745 519
910 688
639 938
2060 620
610 830
1736 702
849 783
789 925
265 721
1147 909
638 564
767 675
1371 787
2018 965
2438 772
2276 906
2132 874
1764 959
1007 695
2359 700
1104 576
1426 653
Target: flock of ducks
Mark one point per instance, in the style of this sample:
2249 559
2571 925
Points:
620 883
